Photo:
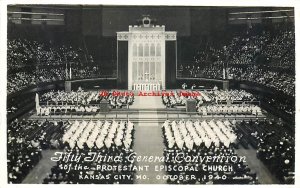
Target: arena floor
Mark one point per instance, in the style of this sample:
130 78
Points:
148 116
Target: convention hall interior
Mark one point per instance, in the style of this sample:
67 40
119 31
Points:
176 83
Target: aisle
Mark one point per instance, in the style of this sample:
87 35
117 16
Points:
149 142
256 165
147 102
40 171
148 138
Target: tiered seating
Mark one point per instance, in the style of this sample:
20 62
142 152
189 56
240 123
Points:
110 140
21 158
282 48
240 55
278 80
203 139
25 140
281 105
32 62
39 134
275 146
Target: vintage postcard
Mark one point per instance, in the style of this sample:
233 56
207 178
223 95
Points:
149 94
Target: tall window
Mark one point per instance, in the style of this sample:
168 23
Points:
134 49
146 50
158 50
141 50
152 50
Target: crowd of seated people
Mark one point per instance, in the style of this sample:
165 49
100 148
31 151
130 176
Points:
280 81
175 100
282 48
208 97
213 71
274 143
86 71
242 49
110 139
99 134
39 134
31 62
231 109
282 105
276 51
225 95
25 140
192 134
206 139
87 102
19 81
21 158
50 75
23 52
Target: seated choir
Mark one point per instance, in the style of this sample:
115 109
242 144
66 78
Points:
193 134
224 95
172 101
61 102
107 138
230 109
99 134
208 97
203 139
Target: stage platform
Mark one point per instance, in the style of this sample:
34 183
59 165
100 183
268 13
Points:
147 102
145 109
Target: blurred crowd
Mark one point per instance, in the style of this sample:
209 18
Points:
25 141
261 58
274 143
32 62
280 81
22 52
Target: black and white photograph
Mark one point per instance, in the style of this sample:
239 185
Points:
149 94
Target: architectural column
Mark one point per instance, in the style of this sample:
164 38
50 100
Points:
130 58
163 62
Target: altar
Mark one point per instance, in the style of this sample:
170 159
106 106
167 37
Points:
146 54
148 86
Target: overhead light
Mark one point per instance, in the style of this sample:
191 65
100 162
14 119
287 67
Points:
257 18
266 11
36 13
36 19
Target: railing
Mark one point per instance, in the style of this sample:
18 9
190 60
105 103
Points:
130 115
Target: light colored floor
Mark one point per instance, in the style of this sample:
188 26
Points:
148 142
148 139
148 102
